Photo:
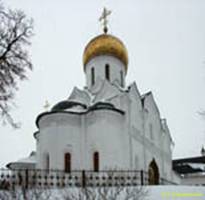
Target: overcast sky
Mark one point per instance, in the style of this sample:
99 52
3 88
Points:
166 46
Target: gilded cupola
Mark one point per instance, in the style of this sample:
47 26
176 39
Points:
105 44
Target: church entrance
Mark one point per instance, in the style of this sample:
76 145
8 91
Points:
153 173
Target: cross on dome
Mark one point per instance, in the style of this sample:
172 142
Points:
104 20
46 105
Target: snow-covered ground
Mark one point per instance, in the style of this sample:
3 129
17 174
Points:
153 193
176 193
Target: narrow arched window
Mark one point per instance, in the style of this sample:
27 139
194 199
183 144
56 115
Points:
121 78
67 162
92 76
96 161
107 72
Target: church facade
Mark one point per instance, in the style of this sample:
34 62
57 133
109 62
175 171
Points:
107 125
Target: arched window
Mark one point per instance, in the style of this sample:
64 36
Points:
96 161
107 72
92 76
121 78
67 162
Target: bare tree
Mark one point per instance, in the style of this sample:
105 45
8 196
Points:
15 33
110 185
76 193
105 193
30 194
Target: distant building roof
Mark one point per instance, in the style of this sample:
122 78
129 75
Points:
186 165
24 163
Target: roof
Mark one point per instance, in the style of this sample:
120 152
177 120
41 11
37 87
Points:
95 107
189 165
66 105
105 44
199 159
24 163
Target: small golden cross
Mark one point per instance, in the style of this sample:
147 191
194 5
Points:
46 106
104 20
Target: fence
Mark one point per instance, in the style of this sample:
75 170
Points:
57 178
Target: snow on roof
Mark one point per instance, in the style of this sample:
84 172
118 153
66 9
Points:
26 162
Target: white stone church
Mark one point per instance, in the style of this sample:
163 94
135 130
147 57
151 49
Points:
106 125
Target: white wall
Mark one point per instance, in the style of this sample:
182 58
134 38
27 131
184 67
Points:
123 141
99 63
106 133
195 179
82 135
60 133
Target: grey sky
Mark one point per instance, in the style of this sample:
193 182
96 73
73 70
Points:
166 46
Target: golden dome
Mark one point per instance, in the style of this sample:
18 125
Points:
105 45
